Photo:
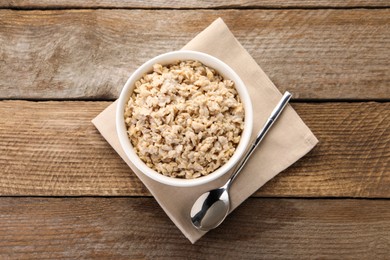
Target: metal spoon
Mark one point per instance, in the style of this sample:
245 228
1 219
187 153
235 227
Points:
212 207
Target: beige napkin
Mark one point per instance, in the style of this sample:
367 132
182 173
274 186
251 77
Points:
289 139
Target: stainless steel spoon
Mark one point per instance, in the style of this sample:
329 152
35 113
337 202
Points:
212 207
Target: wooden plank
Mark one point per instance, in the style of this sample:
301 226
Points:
137 228
89 54
51 148
30 4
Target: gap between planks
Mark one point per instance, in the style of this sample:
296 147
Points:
193 4
148 196
271 7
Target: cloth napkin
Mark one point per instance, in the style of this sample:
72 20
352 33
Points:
287 141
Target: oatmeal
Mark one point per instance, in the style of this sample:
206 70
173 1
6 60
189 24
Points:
184 120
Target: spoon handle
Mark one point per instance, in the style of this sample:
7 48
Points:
274 115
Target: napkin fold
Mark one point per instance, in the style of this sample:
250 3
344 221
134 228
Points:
288 141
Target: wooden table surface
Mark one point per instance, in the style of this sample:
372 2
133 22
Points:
65 193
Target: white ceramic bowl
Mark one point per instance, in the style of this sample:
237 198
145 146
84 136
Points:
168 58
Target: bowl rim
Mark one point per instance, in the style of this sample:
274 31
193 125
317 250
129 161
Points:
167 58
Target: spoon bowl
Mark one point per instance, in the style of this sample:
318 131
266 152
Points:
212 207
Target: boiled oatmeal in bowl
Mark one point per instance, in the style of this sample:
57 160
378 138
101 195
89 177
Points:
184 118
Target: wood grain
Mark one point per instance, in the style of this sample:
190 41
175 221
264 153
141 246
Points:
51 148
137 228
89 54
30 4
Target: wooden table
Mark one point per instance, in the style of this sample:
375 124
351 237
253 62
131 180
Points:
65 193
